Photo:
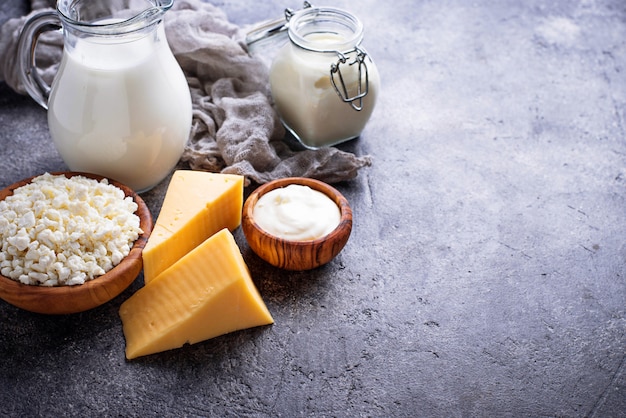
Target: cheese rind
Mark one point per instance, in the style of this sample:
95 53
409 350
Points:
197 204
207 293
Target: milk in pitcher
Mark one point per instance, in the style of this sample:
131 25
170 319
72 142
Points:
122 109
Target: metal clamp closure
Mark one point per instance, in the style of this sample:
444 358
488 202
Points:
272 28
289 12
337 80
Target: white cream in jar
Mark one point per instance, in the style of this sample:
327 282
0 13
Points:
296 213
314 110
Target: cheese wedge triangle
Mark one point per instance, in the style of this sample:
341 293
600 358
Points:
208 293
197 204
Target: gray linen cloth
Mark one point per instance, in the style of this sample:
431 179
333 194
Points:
235 127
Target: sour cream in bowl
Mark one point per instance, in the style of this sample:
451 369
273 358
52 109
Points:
297 223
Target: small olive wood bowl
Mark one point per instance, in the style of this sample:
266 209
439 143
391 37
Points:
296 255
78 298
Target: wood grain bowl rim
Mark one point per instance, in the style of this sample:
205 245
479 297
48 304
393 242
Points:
340 233
40 299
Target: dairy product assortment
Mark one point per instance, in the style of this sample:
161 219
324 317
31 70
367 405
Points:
121 110
197 284
120 107
58 231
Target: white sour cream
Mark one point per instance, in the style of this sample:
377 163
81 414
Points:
296 213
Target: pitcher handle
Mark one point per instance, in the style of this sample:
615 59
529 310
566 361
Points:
34 84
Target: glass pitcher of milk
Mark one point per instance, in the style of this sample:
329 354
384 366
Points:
119 105
323 82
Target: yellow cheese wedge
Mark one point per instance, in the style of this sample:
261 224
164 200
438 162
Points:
207 293
197 204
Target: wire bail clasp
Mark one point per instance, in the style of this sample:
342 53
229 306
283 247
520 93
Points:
290 12
272 28
338 82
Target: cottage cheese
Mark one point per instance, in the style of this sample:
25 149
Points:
58 231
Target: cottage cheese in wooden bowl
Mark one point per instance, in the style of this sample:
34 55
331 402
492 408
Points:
69 241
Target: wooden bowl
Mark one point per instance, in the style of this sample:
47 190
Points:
296 255
93 293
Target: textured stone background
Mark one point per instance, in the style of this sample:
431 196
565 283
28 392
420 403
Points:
486 271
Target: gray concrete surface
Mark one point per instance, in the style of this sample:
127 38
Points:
486 271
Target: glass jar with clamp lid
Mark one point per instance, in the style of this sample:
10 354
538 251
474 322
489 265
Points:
323 82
